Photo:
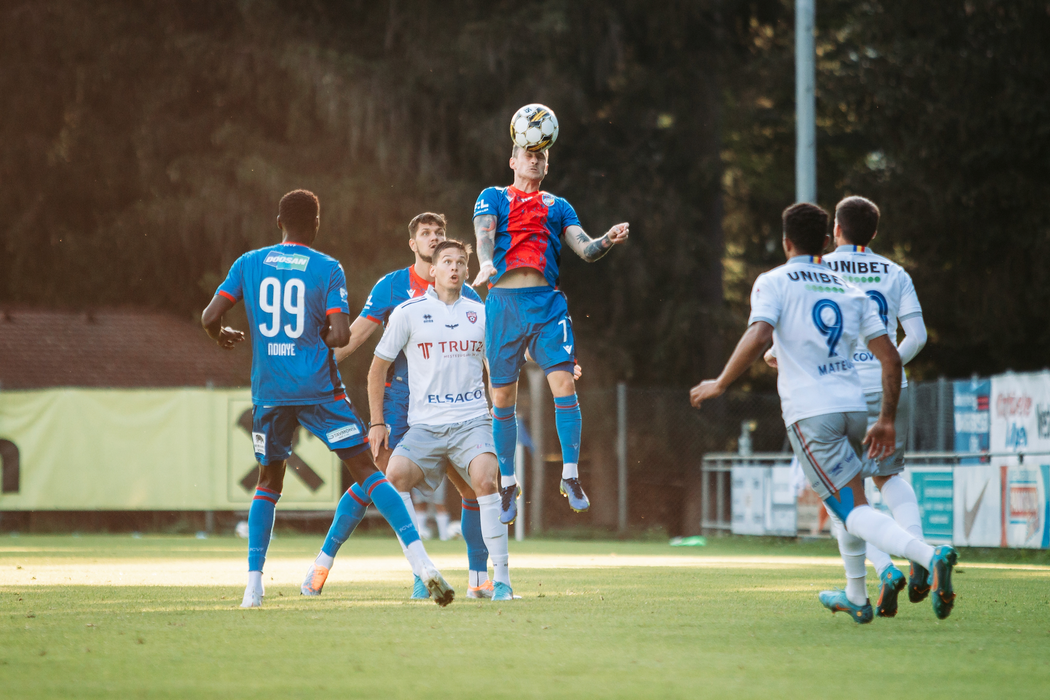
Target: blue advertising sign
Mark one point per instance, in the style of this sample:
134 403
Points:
935 493
972 417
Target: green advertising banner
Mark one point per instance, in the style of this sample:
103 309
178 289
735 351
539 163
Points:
150 449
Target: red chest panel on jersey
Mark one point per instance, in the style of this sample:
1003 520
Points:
529 235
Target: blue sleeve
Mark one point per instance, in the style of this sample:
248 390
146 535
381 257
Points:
233 286
378 306
336 298
568 215
488 202
469 293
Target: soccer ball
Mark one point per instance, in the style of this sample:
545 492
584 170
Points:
534 127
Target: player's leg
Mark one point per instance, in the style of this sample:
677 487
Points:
421 506
554 347
339 427
479 585
473 456
406 476
272 430
353 505
899 496
882 531
506 337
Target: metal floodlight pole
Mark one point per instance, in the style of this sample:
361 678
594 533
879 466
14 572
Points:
805 103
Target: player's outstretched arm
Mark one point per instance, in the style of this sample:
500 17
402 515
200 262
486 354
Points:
591 249
881 438
751 346
379 432
360 330
211 319
485 233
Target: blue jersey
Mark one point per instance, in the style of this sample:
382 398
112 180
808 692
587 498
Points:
390 292
529 226
288 291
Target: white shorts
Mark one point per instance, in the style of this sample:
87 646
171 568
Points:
828 447
892 463
429 446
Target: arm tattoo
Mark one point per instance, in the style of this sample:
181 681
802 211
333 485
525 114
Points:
596 249
485 231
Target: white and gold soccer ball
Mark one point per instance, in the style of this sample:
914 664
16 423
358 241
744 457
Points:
534 127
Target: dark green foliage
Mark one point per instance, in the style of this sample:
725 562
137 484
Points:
146 145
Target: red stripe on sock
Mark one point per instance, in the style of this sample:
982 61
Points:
472 505
357 498
263 497
265 490
510 417
372 487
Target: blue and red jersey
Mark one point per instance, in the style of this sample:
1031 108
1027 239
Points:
391 291
289 290
529 226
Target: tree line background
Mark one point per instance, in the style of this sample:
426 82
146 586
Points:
146 144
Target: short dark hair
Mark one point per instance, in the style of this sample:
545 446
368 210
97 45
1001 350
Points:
859 219
451 243
298 211
806 226
515 148
427 217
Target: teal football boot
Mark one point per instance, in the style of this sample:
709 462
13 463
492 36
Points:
836 601
419 591
918 583
502 591
944 559
892 582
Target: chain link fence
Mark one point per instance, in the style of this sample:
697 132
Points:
665 441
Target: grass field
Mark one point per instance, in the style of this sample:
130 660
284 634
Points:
158 617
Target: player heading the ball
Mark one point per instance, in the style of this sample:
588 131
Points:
519 232
296 302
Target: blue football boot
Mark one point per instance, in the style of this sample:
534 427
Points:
892 582
918 583
944 559
571 489
502 591
508 504
419 591
836 601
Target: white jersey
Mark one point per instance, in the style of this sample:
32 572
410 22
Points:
818 320
890 286
445 348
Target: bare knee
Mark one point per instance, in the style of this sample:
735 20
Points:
505 396
271 476
561 383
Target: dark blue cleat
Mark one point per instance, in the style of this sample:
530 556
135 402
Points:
892 582
571 489
508 504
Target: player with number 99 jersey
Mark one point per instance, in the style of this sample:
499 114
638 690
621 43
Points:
818 320
288 290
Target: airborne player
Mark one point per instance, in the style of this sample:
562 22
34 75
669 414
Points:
519 232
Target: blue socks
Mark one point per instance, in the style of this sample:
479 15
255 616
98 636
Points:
505 435
348 515
569 422
390 506
260 526
470 521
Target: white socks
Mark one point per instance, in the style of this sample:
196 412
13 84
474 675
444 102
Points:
415 553
569 470
879 559
442 523
507 481
851 549
478 577
899 497
324 560
495 534
882 532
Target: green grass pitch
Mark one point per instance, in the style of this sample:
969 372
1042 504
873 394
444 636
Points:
117 617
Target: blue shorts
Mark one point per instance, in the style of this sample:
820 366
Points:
536 318
334 422
395 412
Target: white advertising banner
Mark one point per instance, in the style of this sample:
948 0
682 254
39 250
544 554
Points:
1020 422
978 499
